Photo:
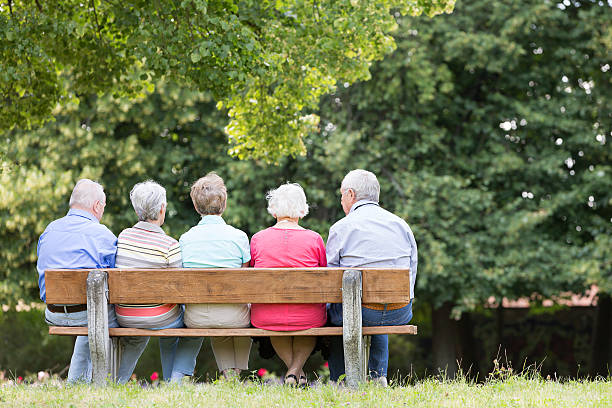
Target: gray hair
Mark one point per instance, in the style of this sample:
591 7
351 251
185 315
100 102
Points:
288 200
363 183
85 193
147 199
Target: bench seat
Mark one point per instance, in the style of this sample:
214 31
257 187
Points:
250 332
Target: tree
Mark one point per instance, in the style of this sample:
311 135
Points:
490 131
266 62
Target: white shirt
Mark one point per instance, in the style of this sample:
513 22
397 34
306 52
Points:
370 236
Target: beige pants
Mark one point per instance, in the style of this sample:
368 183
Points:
230 352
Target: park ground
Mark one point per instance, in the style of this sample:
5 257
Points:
512 391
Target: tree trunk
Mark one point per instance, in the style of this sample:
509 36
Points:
467 350
445 340
601 356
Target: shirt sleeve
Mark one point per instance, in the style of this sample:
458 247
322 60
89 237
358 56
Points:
245 249
107 249
322 257
253 250
333 247
414 257
174 258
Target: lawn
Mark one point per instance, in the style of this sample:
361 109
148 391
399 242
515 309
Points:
515 391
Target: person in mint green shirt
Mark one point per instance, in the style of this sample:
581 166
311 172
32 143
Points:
214 244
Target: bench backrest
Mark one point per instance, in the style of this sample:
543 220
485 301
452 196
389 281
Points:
240 285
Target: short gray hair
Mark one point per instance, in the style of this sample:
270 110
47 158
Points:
147 199
363 183
85 193
288 200
209 194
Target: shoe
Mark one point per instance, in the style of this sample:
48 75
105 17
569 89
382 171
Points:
382 381
290 380
303 383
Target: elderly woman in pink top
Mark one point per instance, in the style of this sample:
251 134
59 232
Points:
287 244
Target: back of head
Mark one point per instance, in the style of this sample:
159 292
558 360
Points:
147 199
289 200
364 183
209 195
85 194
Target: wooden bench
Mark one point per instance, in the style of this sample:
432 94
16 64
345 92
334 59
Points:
98 287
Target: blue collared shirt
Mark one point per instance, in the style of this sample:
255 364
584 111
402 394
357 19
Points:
76 241
214 244
370 236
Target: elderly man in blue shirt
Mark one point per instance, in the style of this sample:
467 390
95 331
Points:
369 236
77 241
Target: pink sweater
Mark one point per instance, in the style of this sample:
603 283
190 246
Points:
277 248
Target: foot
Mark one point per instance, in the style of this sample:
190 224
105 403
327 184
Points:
303 382
291 380
382 381
231 373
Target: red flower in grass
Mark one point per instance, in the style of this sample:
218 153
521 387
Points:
154 376
261 372
326 364
19 380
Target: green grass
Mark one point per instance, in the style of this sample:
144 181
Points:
515 391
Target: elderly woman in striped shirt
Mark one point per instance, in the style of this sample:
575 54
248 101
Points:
146 245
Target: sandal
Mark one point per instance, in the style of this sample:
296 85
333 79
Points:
303 383
290 380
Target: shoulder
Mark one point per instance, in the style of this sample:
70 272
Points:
262 234
103 232
313 235
236 232
342 224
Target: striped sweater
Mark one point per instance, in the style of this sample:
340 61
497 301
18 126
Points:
146 245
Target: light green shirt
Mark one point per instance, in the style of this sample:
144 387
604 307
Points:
214 244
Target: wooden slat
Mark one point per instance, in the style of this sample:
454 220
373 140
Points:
319 331
66 286
241 285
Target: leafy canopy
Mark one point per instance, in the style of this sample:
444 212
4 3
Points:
267 62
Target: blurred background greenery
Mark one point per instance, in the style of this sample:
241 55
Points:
489 130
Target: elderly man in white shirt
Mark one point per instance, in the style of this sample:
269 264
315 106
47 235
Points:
369 236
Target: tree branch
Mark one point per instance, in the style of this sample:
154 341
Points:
10 4
38 5
93 5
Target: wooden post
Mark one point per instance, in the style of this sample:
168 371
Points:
367 343
351 328
97 326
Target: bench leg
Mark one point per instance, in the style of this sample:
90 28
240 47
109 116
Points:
116 350
367 341
351 329
97 326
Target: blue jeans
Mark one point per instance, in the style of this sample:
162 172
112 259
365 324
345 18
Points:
178 354
80 363
379 347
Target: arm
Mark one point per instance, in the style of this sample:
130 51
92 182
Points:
173 257
333 247
107 249
322 258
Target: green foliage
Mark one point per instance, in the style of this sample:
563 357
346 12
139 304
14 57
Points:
490 130
267 62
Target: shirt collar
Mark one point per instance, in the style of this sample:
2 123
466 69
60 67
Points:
211 219
147 226
83 213
360 203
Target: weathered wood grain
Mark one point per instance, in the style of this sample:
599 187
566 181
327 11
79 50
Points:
241 285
